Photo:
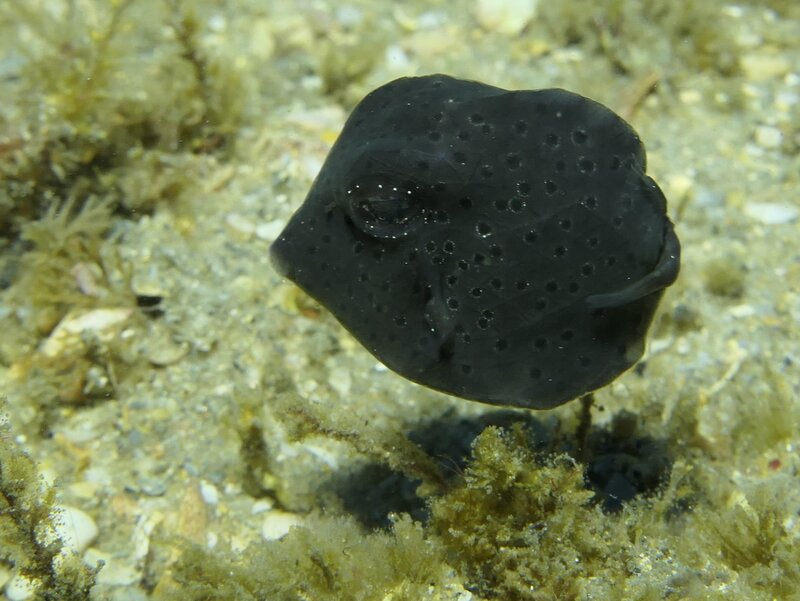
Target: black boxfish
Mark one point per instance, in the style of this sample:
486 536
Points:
501 246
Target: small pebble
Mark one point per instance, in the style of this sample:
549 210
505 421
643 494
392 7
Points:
396 58
771 213
167 353
193 515
115 571
240 225
212 538
742 311
708 197
209 492
87 276
140 540
764 66
261 43
340 380
75 528
431 20
217 23
80 432
690 96
724 277
277 524
261 506
505 16
84 489
152 487
349 16
785 100
270 230
5 576
679 186
19 588
768 137
311 166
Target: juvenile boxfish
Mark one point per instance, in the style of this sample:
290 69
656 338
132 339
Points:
501 246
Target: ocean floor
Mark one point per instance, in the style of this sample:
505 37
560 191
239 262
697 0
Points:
176 411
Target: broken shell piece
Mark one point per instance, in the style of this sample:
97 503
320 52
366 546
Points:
68 335
87 276
277 524
163 350
505 16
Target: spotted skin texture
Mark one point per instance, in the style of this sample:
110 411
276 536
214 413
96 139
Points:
501 246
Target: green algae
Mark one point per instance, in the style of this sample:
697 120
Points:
95 117
622 29
724 278
331 559
520 526
60 240
27 518
99 134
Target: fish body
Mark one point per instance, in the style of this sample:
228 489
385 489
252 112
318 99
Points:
501 246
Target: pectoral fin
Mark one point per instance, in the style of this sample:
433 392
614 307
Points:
663 274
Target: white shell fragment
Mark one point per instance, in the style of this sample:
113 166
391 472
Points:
771 213
103 323
505 16
19 588
270 230
277 524
75 528
769 137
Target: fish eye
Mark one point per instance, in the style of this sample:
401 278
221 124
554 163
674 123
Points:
384 207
